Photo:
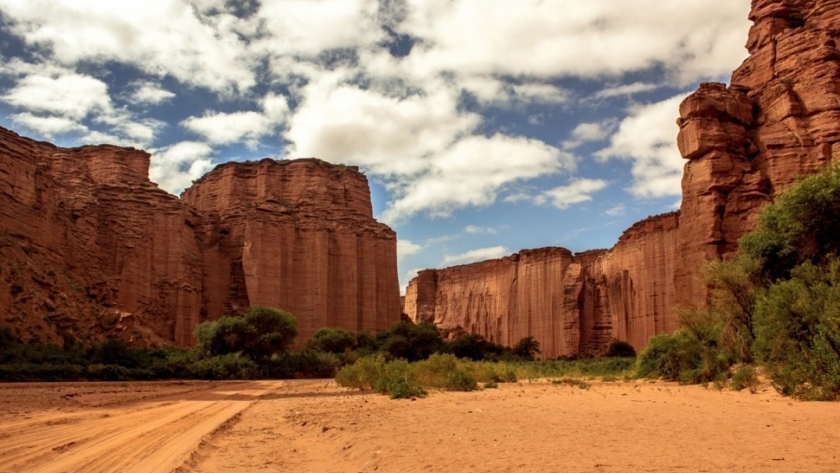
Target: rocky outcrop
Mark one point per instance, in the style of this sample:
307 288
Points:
570 303
297 235
91 248
779 118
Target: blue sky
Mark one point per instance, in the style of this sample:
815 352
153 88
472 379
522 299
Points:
484 126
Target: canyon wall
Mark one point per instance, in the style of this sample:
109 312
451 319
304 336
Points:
778 119
745 143
90 248
570 303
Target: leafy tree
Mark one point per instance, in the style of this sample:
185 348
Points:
272 331
409 341
332 340
798 331
262 332
474 347
801 225
527 348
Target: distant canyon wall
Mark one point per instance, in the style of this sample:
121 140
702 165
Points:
91 248
779 118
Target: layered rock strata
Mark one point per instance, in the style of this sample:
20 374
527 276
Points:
745 143
91 248
571 303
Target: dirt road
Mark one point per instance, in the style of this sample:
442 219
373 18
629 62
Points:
315 426
134 435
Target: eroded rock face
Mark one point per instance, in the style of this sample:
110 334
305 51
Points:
779 119
570 303
744 144
91 248
297 235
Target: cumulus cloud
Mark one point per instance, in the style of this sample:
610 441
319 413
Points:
589 132
617 210
497 92
580 190
407 248
149 93
475 230
48 126
626 89
471 173
647 138
225 128
174 167
161 37
71 96
595 38
475 255
348 99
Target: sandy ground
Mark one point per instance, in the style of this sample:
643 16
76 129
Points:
315 426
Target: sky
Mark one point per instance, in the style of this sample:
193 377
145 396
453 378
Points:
483 126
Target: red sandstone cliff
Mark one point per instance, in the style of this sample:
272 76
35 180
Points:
780 118
570 303
91 248
297 235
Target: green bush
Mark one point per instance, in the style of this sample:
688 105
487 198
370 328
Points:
681 357
363 373
307 364
527 348
798 332
332 340
619 348
259 334
744 377
394 379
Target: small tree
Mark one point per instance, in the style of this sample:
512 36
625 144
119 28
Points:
332 340
527 348
273 331
262 332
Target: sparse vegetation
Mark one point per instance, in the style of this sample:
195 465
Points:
776 304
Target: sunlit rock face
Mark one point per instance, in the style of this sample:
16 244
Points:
570 303
779 119
744 144
91 248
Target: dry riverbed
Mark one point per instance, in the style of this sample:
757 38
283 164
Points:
316 426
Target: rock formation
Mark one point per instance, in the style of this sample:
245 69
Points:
745 143
570 303
779 118
91 248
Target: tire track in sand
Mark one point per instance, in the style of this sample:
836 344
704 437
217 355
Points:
148 438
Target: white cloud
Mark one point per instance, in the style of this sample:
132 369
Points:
615 211
158 37
475 230
48 126
227 128
149 93
648 138
471 173
589 132
691 38
580 190
493 91
407 248
174 167
69 95
626 89
479 254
